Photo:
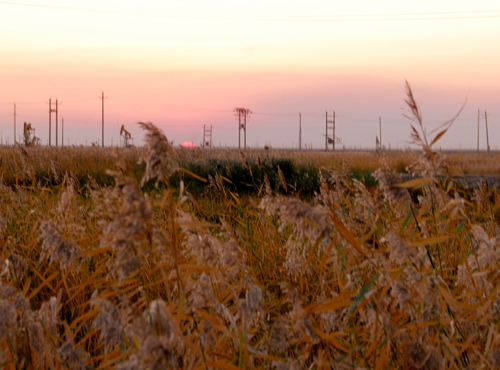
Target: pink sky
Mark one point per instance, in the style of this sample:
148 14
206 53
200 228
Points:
181 77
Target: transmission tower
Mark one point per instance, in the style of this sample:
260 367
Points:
52 110
242 114
207 136
330 139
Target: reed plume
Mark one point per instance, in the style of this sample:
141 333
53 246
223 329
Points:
158 155
57 248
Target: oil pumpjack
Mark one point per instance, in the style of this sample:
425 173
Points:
28 132
127 137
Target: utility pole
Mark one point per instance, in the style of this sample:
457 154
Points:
326 132
62 136
242 113
14 124
56 111
334 138
102 97
487 138
245 122
207 133
300 131
50 125
50 121
478 114
57 144
380 129
333 131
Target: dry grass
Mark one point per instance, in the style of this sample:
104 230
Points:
47 165
401 275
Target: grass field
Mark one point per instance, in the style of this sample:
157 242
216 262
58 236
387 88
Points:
46 165
218 259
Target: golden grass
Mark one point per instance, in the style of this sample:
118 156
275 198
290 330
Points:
401 275
48 164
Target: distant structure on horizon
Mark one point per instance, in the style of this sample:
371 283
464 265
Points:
242 113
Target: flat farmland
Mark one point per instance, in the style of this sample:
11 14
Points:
164 257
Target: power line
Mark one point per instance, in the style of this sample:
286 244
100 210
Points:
22 103
79 100
449 15
275 114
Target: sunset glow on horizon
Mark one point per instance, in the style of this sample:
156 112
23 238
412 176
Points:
186 64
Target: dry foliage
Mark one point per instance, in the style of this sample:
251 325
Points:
402 275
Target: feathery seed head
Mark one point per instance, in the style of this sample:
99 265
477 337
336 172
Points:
13 267
66 200
57 248
8 321
163 324
423 356
48 314
488 252
108 321
158 156
295 258
252 304
400 251
387 179
56 170
310 222
159 317
73 357
400 292
280 333
267 186
3 226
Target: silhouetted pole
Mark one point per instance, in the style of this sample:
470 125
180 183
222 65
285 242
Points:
14 124
478 114
62 133
333 131
57 144
300 131
242 112
326 132
380 129
487 138
102 97
50 121
207 133
334 139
